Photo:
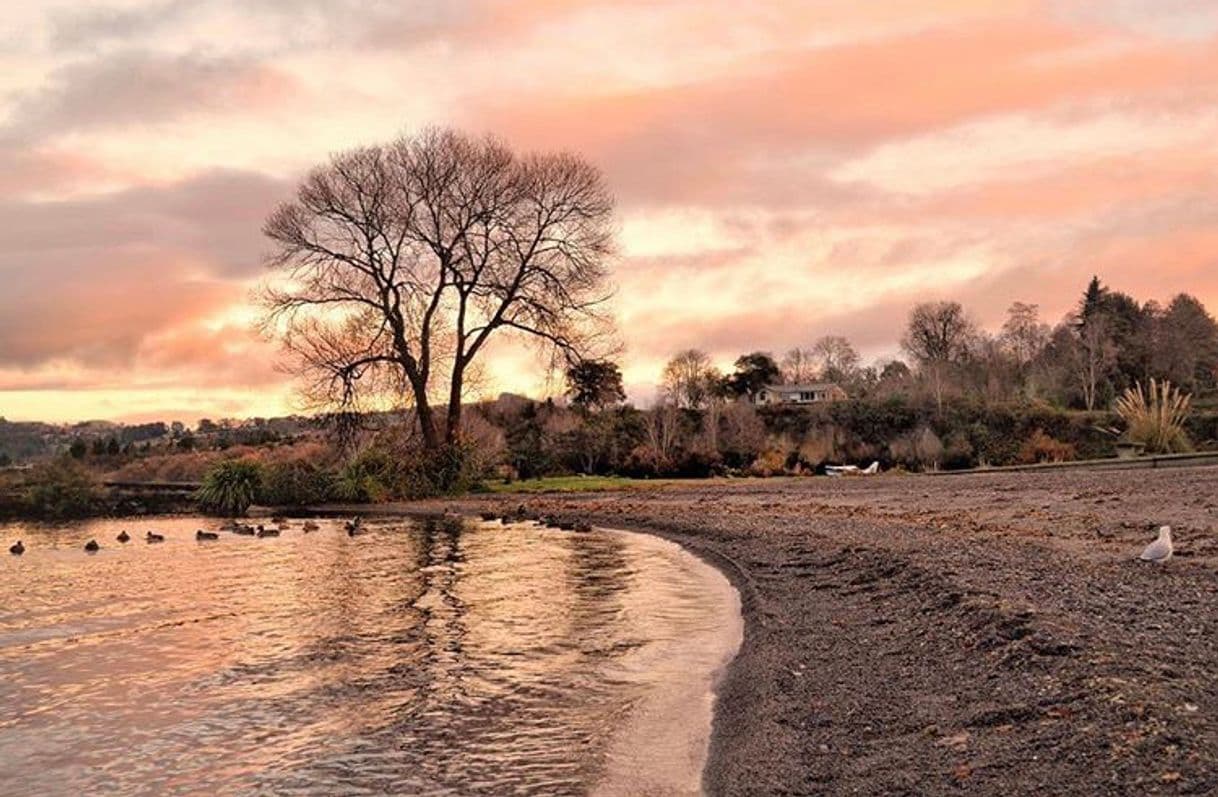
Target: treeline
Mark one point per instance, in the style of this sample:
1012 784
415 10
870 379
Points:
1107 345
960 398
963 397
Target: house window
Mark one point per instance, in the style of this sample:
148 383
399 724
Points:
807 397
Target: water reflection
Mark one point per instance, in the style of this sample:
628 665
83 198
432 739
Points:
431 657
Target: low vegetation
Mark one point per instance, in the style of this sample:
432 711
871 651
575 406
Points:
231 487
1155 417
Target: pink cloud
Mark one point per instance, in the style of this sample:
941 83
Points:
746 115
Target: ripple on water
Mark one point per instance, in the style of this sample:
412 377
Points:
438 657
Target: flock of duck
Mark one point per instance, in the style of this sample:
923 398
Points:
521 515
352 527
1159 551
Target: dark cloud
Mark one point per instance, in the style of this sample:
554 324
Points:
214 219
141 88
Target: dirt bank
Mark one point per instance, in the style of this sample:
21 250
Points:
985 634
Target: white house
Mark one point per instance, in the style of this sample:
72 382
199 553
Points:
812 393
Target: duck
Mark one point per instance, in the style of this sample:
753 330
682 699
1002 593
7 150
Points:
267 532
279 521
489 516
353 526
152 536
241 528
123 536
310 526
583 526
92 547
206 535
17 548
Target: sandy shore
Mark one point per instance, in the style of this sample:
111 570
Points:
983 634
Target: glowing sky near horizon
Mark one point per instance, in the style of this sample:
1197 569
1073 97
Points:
784 170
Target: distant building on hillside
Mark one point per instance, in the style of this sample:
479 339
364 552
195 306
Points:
812 393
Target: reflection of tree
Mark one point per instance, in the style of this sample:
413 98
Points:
442 611
598 572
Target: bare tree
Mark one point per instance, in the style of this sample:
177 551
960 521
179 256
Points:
1024 336
938 336
396 265
1096 355
836 357
1023 333
799 366
689 378
663 433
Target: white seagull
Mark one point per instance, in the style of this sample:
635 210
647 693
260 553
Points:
1161 549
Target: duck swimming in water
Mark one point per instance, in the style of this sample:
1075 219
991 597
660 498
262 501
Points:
310 526
16 549
154 537
123 536
353 526
92 547
206 535
267 532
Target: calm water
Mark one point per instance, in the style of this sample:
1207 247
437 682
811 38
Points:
437 657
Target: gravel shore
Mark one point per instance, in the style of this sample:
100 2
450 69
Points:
981 634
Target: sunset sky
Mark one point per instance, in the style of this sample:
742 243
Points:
784 170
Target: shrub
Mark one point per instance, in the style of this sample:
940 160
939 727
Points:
771 462
295 484
62 489
741 435
917 449
1156 417
818 447
230 487
1040 447
958 452
364 479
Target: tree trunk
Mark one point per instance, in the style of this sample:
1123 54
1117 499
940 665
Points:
939 389
427 418
452 431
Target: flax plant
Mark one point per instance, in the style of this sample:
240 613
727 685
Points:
1155 417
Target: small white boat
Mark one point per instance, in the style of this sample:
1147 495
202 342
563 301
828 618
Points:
852 470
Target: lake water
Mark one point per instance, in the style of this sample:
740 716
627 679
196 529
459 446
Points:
444 656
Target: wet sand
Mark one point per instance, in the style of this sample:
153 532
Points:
981 634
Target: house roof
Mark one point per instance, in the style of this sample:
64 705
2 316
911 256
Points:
809 387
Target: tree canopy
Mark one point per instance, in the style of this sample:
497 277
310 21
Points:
395 265
595 384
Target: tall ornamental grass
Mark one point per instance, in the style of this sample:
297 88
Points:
1155 417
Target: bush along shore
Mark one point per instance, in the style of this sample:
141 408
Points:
514 440
64 489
